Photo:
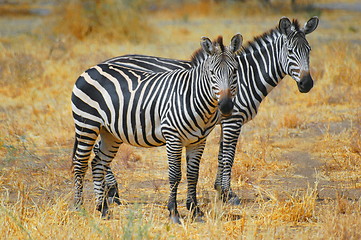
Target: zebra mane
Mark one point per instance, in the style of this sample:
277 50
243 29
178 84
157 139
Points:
200 55
267 37
296 25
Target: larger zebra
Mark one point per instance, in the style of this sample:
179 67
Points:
266 60
174 108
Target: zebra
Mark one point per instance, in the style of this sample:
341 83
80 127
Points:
176 108
266 60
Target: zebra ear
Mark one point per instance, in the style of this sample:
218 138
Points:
207 45
236 43
285 25
310 25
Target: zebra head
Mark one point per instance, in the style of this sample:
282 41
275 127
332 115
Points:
295 51
221 66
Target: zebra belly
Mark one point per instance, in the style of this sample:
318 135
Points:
140 133
196 137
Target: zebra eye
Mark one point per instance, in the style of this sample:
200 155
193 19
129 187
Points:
289 51
212 72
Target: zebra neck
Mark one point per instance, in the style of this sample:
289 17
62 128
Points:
261 71
201 93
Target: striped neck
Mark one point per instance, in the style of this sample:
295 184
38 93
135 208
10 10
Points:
261 70
264 59
202 94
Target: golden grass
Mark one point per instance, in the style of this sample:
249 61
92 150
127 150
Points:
36 133
343 153
117 20
295 208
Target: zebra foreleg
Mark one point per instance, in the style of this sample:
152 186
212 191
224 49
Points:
193 155
174 153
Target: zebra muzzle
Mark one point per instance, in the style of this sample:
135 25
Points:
225 105
305 84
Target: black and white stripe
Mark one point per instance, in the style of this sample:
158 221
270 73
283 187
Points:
122 103
262 65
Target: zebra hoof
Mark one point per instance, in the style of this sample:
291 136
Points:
175 219
77 208
198 219
105 214
114 200
235 201
197 215
78 204
113 195
230 198
104 209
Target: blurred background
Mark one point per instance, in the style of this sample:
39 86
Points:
295 140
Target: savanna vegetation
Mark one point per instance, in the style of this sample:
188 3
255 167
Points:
298 163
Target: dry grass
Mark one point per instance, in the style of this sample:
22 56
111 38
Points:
295 208
116 20
280 199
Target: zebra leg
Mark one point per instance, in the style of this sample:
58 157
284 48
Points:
218 182
108 147
230 196
111 185
230 133
193 155
174 153
83 145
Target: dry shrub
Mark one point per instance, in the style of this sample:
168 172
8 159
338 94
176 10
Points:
342 152
341 222
19 68
341 82
355 145
295 208
205 8
256 158
290 120
342 204
106 20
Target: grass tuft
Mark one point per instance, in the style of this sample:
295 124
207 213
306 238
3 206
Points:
295 208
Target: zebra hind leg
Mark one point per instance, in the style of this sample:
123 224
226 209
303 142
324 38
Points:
81 153
104 154
111 187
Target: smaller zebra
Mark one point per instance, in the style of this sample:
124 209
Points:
179 108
